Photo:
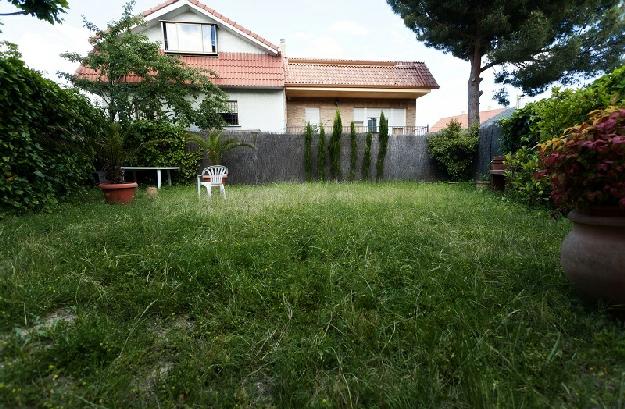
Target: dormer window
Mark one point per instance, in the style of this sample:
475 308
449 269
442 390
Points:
190 38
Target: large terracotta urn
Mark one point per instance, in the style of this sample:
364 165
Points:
593 255
118 193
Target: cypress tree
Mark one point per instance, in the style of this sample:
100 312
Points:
321 154
335 147
366 158
308 132
383 143
353 157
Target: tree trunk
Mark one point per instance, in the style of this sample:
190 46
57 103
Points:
474 88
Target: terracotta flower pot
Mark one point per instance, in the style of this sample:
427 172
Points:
593 255
118 193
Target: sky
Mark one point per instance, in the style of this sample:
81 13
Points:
348 29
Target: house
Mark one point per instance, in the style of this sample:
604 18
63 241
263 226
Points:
464 119
270 92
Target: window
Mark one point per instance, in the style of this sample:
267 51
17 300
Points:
311 115
190 37
231 117
371 117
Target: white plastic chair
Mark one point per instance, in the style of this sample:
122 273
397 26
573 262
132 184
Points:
216 175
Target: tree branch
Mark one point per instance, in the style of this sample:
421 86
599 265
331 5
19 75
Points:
15 13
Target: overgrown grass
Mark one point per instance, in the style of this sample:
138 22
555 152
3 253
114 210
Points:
316 295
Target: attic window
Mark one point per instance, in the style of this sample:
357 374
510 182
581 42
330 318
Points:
190 37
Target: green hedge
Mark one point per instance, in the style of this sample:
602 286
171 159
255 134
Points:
160 144
48 134
546 119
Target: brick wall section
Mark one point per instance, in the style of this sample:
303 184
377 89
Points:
327 109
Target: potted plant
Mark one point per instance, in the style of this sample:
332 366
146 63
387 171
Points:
586 167
112 157
213 145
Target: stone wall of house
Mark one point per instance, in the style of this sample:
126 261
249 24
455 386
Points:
327 109
280 158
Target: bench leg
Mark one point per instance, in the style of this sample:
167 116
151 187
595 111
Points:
169 177
158 178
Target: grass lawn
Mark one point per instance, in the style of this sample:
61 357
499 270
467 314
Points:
395 295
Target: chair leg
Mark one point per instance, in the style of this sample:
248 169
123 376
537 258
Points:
222 188
208 190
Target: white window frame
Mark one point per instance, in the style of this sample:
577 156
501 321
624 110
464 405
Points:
316 114
396 116
182 51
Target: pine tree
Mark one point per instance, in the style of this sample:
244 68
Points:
383 143
353 157
533 43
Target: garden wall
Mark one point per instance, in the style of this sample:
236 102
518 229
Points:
280 158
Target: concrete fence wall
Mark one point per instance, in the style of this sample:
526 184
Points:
280 158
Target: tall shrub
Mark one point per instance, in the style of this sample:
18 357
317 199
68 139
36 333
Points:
335 147
366 158
453 150
353 153
47 137
308 133
321 154
383 138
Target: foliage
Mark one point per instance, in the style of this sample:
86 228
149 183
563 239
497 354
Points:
407 295
214 145
548 118
166 88
113 154
153 143
453 150
586 166
47 10
321 154
353 153
382 147
532 43
521 182
308 134
48 135
334 147
366 158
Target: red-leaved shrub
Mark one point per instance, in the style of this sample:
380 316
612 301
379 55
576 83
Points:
586 166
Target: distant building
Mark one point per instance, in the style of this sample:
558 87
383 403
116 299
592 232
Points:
464 119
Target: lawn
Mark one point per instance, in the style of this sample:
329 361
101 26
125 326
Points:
395 295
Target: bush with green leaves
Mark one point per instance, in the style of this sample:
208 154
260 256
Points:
549 118
454 149
154 143
48 137
521 182
308 134
365 170
382 147
321 154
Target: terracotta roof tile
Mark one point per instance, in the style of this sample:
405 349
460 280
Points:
464 119
218 15
354 73
230 70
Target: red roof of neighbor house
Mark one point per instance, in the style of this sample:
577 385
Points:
358 74
464 119
217 15
226 70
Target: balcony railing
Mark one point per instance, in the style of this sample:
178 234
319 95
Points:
361 129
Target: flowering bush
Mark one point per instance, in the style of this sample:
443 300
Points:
586 166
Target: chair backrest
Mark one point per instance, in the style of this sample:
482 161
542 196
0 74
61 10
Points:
216 173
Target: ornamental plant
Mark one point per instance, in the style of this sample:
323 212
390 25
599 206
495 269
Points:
353 153
586 166
308 134
453 150
383 145
366 157
334 147
321 154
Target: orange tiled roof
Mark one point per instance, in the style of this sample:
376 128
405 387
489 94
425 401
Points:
464 119
230 70
219 16
357 74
